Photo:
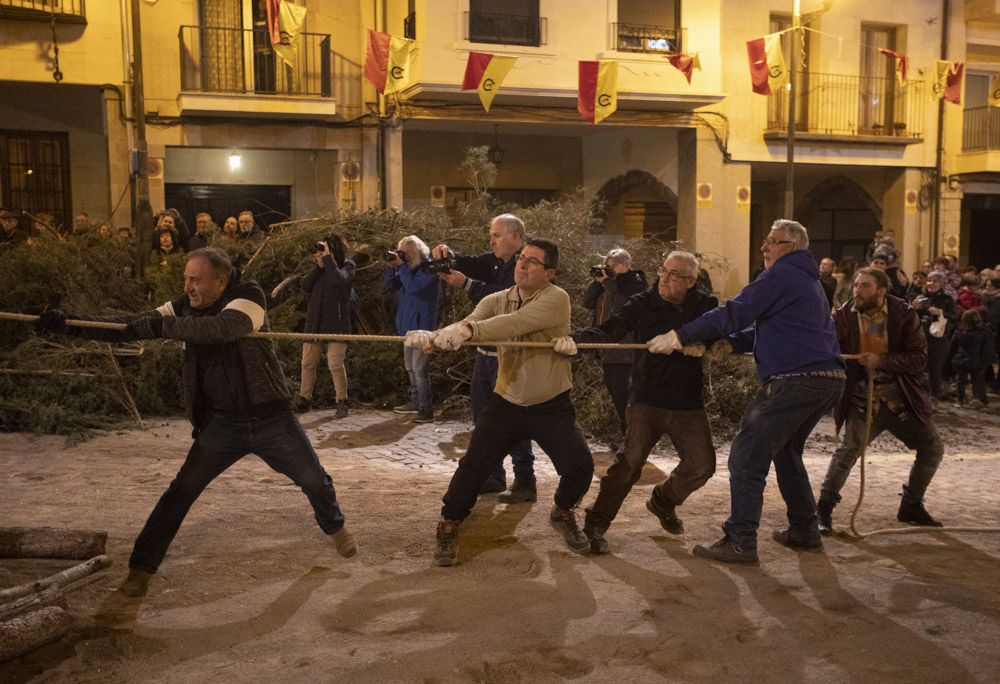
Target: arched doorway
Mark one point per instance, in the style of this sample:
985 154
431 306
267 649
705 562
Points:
637 205
841 218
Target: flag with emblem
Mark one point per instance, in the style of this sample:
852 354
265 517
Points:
948 81
767 64
485 73
388 62
597 95
993 99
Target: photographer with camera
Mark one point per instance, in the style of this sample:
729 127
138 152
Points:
613 284
417 309
480 276
328 287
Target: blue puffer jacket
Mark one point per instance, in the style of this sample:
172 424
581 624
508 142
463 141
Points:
417 308
792 328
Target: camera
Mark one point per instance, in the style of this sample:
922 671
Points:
598 271
318 248
443 265
391 255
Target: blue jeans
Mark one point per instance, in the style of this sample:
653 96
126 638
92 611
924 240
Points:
484 380
279 441
415 361
775 426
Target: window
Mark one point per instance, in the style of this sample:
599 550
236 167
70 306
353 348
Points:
876 99
648 26
34 173
506 22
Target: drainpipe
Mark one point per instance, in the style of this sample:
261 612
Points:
143 212
939 156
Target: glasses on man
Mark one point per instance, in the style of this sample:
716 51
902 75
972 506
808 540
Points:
773 242
672 275
531 261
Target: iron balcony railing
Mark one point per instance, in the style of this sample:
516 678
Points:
44 10
981 129
226 60
506 29
410 26
835 104
645 38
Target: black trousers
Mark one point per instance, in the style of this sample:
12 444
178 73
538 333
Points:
500 426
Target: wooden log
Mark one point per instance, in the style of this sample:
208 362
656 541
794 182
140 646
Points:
25 633
61 579
49 542
50 596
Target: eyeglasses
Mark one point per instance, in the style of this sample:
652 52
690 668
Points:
672 275
532 261
773 242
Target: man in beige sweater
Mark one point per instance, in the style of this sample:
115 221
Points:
531 398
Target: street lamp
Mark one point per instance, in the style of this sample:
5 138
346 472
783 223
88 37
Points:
235 161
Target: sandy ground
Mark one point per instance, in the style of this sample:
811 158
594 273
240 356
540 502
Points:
251 591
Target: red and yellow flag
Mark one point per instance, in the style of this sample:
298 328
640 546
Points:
767 64
948 81
597 96
485 73
387 62
685 63
993 99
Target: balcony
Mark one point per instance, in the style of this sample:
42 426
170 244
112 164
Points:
981 129
646 39
68 11
236 72
857 109
410 26
506 29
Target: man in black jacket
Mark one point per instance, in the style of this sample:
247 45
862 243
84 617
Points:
666 398
479 276
236 396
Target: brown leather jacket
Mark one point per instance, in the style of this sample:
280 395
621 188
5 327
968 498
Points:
906 358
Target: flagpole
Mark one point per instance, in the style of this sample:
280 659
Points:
792 93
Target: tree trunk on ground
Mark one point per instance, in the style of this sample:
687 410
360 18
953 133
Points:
61 579
48 542
27 632
52 596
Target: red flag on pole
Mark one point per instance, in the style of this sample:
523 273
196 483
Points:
377 58
767 64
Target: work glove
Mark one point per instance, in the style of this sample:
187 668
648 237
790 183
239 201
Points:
667 343
696 350
564 345
53 322
420 339
146 327
719 350
451 337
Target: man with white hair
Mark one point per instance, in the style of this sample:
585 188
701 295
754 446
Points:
784 317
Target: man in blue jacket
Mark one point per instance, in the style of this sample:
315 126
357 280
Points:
783 316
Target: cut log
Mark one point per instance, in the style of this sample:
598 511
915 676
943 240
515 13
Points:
61 579
27 632
49 542
51 596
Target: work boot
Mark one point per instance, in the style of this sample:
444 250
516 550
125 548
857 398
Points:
912 511
446 552
667 515
493 484
565 522
300 404
135 584
408 407
424 416
522 491
824 514
341 409
727 551
595 535
344 542
796 540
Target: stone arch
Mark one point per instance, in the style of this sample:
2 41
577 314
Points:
638 198
841 217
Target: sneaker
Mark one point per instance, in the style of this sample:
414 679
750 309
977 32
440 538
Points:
341 409
424 416
914 513
796 540
344 542
493 484
522 491
135 584
300 404
727 551
446 552
976 404
667 516
824 514
408 407
598 544
565 522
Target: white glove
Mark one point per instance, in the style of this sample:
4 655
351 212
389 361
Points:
719 350
420 339
452 336
564 345
697 349
667 343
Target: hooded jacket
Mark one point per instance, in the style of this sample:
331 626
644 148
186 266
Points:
782 316
329 292
606 299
